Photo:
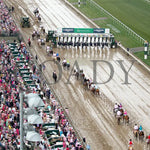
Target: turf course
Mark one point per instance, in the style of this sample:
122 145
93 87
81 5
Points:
140 55
135 14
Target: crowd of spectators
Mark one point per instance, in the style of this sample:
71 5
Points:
9 100
7 24
10 82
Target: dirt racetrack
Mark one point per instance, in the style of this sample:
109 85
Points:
92 115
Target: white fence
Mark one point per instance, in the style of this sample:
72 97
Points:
142 40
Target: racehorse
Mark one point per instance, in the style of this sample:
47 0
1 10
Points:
135 132
93 90
39 18
64 64
38 35
115 111
54 58
126 119
82 75
42 30
58 59
122 111
130 148
85 83
118 119
33 35
39 42
141 135
36 11
97 92
76 74
89 84
68 66
51 52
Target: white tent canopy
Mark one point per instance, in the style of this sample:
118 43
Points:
28 127
33 136
30 95
29 111
34 100
34 119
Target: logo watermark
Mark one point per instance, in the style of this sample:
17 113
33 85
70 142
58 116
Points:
76 67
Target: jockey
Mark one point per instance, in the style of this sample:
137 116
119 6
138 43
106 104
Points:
120 106
36 10
68 62
125 113
90 81
47 48
42 41
57 55
115 107
38 15
118 113
130 143
39 40
54 55
41 26
140 128
149 137
136 128
64 61
96 87
34 32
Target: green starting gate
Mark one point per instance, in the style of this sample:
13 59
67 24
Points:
51 36
80 35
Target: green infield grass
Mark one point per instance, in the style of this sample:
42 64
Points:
135 14
140 55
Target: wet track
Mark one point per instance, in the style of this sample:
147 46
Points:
92 115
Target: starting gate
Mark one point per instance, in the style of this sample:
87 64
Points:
82 37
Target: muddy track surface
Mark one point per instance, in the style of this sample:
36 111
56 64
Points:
92 115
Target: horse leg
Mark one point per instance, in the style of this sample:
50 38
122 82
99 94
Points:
147 144
55 79
123 120
77 76
136 135
118 121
